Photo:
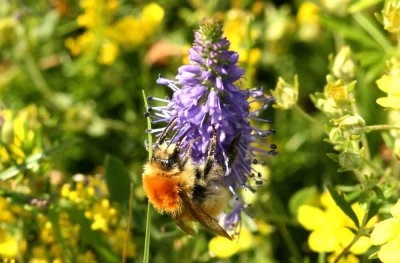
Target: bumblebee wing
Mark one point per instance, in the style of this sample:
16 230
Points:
205 219
185 225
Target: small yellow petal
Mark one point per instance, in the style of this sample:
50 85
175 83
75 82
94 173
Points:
361 246
327 200
389 102
395 211
323 240
222 247
385 231
245 240
389 253
311 217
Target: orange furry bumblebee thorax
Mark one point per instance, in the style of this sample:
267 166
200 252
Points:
163 187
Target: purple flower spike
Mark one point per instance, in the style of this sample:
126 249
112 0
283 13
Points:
207 100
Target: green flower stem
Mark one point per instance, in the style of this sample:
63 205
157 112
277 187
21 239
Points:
364 140
38 79
146 252
128 228
348 247
277 208
308 117
380 127
362 231
321 257
373 31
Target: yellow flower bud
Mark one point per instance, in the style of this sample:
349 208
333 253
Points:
286 95
391 16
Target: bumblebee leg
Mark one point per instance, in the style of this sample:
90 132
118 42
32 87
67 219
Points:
233 151
211 154
187 152
167 129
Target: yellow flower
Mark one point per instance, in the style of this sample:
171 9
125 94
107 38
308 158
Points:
108 53
121 32
391 16
19 134
389 84
152 15
104 37
387 234
330 227
308 13
236 30
224 248
8 245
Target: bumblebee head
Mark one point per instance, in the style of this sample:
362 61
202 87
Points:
166 156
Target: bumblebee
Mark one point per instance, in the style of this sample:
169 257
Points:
187 191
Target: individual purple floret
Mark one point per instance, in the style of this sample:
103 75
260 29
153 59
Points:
206 100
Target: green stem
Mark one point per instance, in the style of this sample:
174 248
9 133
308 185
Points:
373 31
128 228
37 78
278 208
308 117
361 232
347 248
380 127
321 257
364 140
146 252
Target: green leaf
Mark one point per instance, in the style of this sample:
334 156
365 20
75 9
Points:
333 156
30 162
343 204
362 4
117 179
373 209
349 31
379 193
374 255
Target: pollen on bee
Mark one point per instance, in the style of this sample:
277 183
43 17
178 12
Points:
163 193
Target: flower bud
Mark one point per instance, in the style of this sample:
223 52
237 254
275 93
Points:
351 126
343 66
336 136
7 31
391 16
350 160
337 7
286 95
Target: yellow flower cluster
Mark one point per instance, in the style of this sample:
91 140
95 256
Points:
236 30
89 193
387 235
11 244
86 193
103 37
307 19
330 227
19 135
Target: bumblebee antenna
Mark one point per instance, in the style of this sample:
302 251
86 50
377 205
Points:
164 134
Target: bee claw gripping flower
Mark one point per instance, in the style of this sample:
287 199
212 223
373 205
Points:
206 101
